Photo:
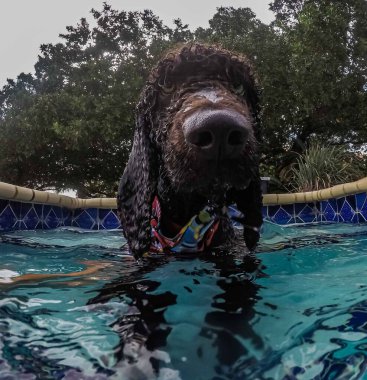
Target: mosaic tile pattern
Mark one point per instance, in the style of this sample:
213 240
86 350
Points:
31 216
95 219
349 209
298 213
20 216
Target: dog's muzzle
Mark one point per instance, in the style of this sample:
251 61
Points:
217 134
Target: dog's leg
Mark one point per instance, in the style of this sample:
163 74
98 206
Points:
249 202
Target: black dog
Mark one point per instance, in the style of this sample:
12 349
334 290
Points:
195 146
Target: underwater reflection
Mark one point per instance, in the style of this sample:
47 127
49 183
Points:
197 309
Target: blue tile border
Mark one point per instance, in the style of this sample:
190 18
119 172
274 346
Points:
21 215
348 209
31 216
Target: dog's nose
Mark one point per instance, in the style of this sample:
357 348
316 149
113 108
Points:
219 134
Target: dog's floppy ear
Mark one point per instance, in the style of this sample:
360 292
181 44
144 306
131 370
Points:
138 186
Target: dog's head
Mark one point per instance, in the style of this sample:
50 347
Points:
196 128
201 102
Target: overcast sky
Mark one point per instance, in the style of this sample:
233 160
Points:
26 24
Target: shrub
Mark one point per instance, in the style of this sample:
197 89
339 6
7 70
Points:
323 166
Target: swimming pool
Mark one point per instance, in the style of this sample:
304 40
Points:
298 310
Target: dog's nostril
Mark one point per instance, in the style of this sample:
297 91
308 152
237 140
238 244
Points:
236 138
204 139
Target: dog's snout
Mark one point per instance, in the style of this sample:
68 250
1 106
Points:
217 133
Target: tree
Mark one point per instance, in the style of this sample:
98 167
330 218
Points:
71 125
327 69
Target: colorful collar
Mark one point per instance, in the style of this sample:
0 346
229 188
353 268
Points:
193 237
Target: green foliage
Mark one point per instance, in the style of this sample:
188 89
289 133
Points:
70 125
327 43
322 166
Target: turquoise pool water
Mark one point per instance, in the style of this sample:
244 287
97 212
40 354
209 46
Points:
298 310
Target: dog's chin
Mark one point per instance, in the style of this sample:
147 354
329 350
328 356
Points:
211 181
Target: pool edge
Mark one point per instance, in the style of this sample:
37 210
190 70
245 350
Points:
24 208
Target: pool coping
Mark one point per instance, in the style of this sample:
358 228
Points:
24 194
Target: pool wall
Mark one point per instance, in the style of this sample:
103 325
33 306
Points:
27 209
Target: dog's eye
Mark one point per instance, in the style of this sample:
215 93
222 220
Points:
166 90
239 90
